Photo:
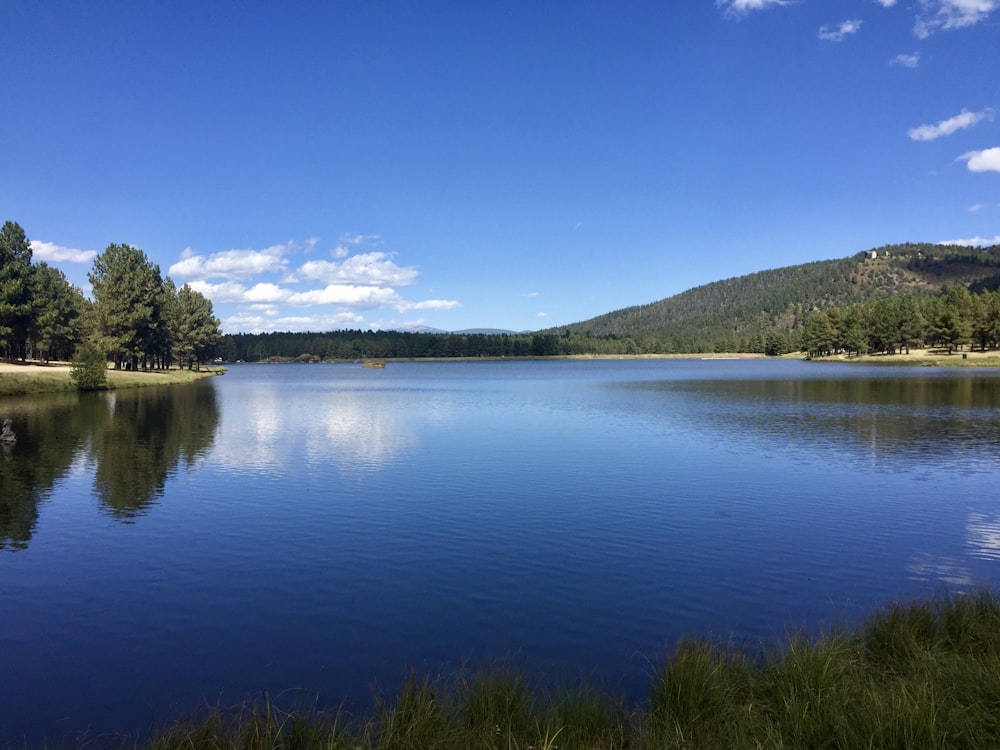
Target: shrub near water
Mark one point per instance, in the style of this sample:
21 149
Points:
924 674
90 369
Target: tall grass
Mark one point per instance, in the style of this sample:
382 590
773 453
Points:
922 674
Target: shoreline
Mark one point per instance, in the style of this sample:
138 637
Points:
919 358
21 379
31 378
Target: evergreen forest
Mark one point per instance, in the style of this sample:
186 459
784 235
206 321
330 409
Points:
137 318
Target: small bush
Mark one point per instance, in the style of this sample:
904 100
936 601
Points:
90 369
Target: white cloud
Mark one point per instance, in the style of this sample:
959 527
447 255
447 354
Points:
973 241
265 293
257 323
963 120
362 297
987 160
231 264
50 252
907 61
951 14
837 35
541 315
886 3
430 304
227 291
264 287
365 268
975 207
742 7
360 239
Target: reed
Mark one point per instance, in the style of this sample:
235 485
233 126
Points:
914 674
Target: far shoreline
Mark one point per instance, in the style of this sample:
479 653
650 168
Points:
33 377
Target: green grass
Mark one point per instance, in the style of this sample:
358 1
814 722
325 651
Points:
921 674
35 378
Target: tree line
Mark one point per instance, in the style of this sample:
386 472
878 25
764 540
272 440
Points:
362 344
136 319
953 320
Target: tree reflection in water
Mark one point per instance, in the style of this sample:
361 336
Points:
134 439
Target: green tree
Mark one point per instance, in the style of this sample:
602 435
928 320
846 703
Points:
955 321
15 290
57 305
818 337
127 303
912 326
991 319
197 331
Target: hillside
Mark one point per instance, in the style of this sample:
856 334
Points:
724 313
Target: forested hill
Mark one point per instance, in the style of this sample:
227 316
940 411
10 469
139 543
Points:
724 315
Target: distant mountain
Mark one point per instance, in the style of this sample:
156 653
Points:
487 332
725 312
419 329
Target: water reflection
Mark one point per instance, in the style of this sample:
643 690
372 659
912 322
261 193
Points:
880 419
325 424
984 535
140 438
133 439
947 570
358 430
48 438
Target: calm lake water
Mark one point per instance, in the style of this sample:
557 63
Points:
317 530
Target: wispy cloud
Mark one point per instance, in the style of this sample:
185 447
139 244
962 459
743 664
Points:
965 119
742 7
428 304
937 15
907 61
350 238
838 34
886 3
53 253
974 241
987 160
975 207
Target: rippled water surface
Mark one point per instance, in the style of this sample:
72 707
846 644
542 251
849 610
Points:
318 529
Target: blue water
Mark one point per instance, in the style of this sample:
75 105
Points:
316 530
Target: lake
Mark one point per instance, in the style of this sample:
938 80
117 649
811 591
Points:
317 530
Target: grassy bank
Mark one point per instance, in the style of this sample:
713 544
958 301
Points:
33 378
922 674
924 358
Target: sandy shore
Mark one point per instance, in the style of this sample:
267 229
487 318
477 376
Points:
33 367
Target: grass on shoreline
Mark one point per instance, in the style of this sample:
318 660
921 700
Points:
921 358
35 378
915 674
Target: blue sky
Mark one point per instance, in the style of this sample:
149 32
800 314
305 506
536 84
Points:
516 165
